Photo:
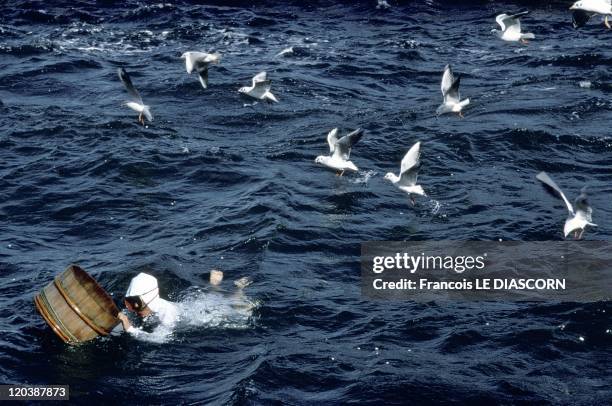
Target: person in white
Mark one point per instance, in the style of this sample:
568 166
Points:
142 298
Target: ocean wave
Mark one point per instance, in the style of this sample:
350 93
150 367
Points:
217 180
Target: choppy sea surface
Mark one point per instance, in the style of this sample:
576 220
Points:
215 182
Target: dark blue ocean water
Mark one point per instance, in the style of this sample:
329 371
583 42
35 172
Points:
213 183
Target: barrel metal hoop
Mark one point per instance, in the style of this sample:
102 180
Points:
49 320
47 311
76 309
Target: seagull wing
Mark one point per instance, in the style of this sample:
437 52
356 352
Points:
501 20
409 168
332 139
127 82
344 144
447 79
519 14
202 68
452 95
450 86
260 77
580 18
544 178
513 24
262 87
581 204
212 58
583 216
198 56
411 158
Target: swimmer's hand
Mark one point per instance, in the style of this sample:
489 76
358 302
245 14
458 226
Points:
124 321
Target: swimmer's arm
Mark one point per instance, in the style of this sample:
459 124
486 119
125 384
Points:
159 335
127 326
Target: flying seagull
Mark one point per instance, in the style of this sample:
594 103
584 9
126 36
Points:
579 214
511 27
585 9
260 89
199 61
409 169
450 91
383 4
340 150
136 104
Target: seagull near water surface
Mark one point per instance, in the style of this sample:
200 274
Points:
585 9
136 104
409 169
511 28
450 91
340 150
260 88
382 5
200 61
579 214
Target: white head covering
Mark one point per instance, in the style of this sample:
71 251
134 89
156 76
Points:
144 286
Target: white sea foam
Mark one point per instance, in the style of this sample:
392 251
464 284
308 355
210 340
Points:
210 308
435 206
96 39
364 177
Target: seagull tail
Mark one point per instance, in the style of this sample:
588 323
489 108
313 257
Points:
147 112
464 103
527 36
271 97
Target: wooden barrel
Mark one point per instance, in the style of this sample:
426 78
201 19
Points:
76 307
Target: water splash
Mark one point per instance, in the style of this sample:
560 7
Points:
212 308
364 177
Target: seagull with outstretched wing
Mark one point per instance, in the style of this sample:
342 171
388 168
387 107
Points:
136 104
450 91
260 88
511 27
579 214
340 151
409 169
199 62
